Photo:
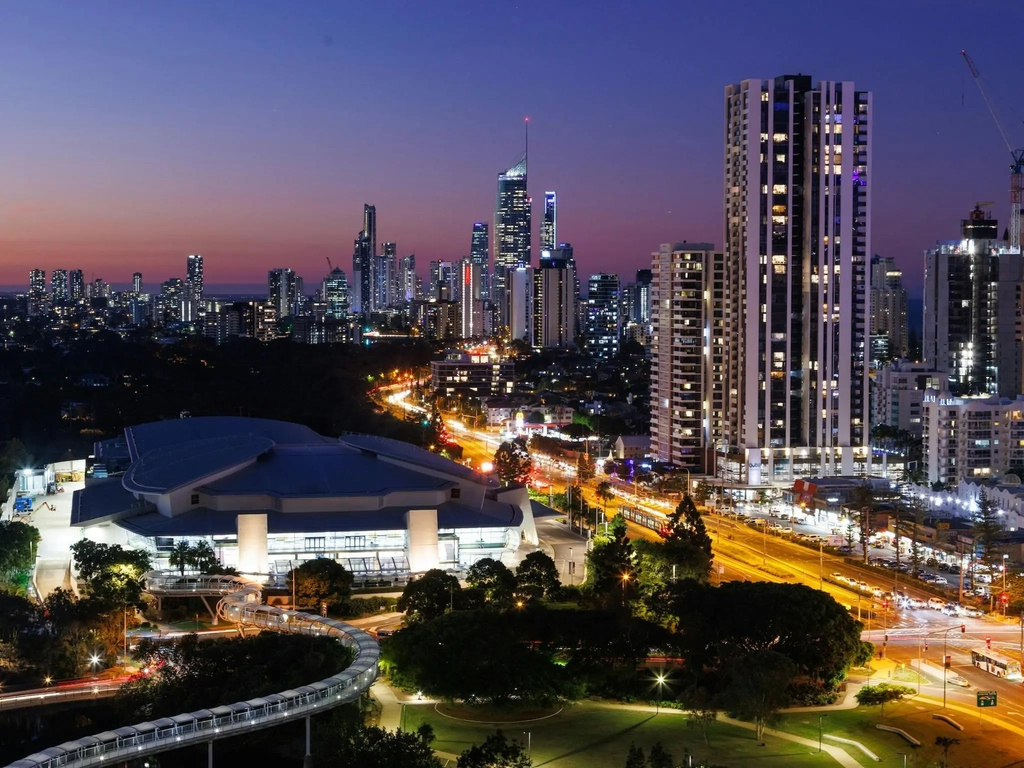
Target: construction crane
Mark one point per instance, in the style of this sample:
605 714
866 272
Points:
1017 154
330 268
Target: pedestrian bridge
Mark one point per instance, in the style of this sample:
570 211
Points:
239 603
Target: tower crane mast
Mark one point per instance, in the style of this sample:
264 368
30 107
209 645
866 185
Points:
1016 168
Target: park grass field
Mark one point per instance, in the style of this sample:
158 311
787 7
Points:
982 744
589 735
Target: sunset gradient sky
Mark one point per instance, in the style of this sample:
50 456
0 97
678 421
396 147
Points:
132 134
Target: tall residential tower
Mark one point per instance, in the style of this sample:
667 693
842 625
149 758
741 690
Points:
797 247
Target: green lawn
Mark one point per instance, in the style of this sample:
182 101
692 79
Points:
591 736
982 745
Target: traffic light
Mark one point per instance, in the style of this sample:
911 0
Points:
1004 598
988 642
963 628
949 662
926 647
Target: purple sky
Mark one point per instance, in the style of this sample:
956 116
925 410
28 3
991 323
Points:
135 133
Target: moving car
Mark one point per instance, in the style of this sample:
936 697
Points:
936 604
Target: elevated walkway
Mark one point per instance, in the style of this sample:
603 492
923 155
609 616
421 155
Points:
239 603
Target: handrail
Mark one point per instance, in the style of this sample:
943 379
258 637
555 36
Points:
240 603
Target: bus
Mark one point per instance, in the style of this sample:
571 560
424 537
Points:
996 663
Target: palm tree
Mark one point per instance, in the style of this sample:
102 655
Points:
862 502
947 743
181 555
604 493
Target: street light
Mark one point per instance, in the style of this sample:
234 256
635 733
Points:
625 578
93 661
820 718
660 681
1002 599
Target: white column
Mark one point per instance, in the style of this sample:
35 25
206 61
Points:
252 543
421 525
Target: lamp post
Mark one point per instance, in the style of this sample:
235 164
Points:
570 566
1002 598
625 578
660 681
820 718
529 744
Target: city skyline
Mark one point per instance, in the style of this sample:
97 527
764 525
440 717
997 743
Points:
243 151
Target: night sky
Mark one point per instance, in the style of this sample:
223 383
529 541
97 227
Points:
132 134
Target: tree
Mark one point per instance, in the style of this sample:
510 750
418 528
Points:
497 751
612 569
946 743
758 687
494 579
881 694
604 494
13 456
112 574
702 492
717 626
659 757
584 468
635 758
181 555
18 544
701 712
512 462
371 747
537 576
988 530
429 596
202 557
322 580
687 543
862 504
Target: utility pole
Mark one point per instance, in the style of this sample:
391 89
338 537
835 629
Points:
821 581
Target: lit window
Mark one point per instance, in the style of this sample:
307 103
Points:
778 189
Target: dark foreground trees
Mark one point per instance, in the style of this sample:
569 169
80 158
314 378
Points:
190 674
719 625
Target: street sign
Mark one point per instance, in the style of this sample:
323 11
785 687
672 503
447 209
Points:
987 698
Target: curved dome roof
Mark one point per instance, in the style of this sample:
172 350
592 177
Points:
162 470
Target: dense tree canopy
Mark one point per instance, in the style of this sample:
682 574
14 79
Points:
429 596
537 576
470 655
112 573
718 625
321 580
191 674
497 751
18 543
495 581
512 462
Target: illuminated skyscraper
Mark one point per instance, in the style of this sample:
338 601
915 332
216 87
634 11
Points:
795 283
549 226
511 232
36 292
364 263
59 285
334 292
553 305
194 279
603 321
76 285
137 283
282 291
479 254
